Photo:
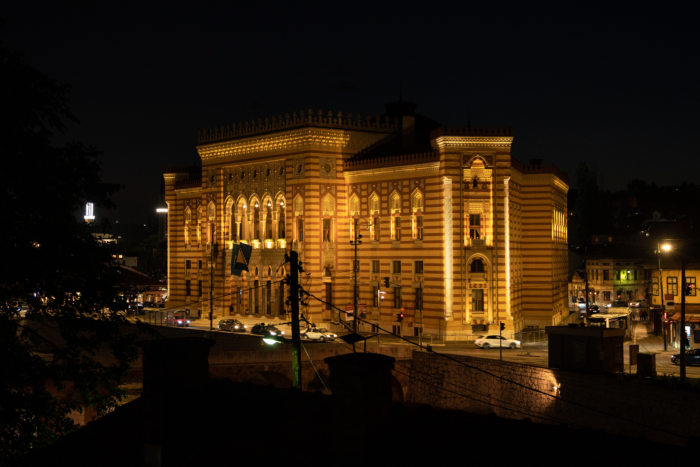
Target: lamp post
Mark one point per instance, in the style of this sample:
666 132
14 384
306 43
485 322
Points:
682 360
357 240
666 247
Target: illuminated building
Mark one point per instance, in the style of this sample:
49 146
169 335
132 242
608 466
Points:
463 235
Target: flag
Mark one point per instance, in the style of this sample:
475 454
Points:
240 255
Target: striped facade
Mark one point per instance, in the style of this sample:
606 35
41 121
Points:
458 237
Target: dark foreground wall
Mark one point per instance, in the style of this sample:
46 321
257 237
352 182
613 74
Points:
618 404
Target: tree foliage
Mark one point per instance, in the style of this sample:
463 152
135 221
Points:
66 354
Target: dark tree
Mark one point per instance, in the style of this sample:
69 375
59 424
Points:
66 353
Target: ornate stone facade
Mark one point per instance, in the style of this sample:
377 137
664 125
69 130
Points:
455 233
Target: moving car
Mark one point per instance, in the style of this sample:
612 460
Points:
487 342
178 318
266 330
232 325
319 334
692 357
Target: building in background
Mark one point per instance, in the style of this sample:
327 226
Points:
456 234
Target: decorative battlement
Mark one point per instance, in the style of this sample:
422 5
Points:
389 160
470 131
296 120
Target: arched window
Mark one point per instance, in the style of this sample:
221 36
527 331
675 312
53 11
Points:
354 211
374 214
298 208
281 220
256 220
211 222
229 222
395 210
188 221
242 220
268 219
327 212
417 215
477 266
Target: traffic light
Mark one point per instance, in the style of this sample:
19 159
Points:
386 282
503 326
399 316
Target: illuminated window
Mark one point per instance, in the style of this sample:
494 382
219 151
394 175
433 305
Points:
268 219
298 207
241 221
281 220
417 215
691 280
354 211
395 210
188 221
374 215
328 211
256 220
475 226
672 285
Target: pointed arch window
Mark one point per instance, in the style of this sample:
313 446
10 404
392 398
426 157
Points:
354 211
281 221
327 211
374 214
298 208
211 222
268 220
256 221
188 221
477 266
417 206
241 221
395 209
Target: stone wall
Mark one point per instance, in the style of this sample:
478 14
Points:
619 404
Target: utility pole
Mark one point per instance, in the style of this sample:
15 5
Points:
661 295
354 242
294 301
212 259
683 336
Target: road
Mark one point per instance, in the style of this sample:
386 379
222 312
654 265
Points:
530 354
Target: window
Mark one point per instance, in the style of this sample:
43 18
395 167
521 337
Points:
300 229
281 220
672 285
395 209
475 226
606 296
418 267
477 266
375 266
199 288
374 214
188 265
375 295
326 230
396 267
354 211
477 300
417 215
199 264
606 274
691 280
655 288
188 290
256 221
397 297
188 221
268 220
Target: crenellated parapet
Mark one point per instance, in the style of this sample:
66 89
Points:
299 119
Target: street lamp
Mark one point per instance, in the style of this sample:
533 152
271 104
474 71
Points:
666 247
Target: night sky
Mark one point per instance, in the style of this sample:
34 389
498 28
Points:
616 88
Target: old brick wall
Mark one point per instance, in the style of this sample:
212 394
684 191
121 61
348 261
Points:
616 403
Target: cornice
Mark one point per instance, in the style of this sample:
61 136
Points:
461 142
293 139
386 173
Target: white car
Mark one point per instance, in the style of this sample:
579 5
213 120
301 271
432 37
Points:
494 341
319 334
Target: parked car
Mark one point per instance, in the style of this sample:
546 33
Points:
692 357
232 325
178 318
266 330
486 342
319 334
